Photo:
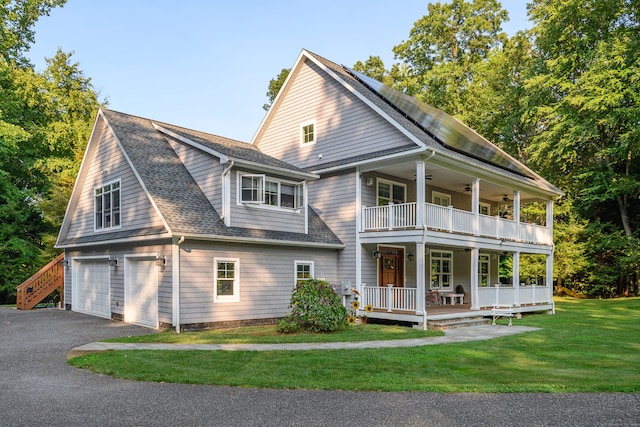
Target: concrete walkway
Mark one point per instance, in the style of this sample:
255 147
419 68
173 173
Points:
469 333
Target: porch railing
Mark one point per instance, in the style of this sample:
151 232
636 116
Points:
447 218
389 298
506 294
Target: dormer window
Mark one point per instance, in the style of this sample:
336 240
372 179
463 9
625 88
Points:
308 134
268 191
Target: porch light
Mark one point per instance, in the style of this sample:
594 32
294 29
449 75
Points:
65 263
376 254
160 259
113 261
410 256
369 182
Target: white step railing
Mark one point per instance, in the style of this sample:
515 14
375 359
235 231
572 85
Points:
389 298
447 218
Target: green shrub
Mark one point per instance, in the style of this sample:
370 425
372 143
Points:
315 307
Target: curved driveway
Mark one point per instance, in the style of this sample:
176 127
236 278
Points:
37 387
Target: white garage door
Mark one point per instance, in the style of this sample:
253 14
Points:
91 288
141 292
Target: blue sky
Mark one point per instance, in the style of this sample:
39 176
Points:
206 65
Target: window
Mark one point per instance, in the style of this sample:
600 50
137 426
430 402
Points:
262 190
107 206
226 279
441 270
304 271
308 134
252 188
440 199
391 192
485 208
483 270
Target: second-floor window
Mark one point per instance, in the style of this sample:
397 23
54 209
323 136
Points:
391 192
107 206
440 199
264 190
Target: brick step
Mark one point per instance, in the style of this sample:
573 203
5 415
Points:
457 323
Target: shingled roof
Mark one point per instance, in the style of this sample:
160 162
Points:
396 114
179 200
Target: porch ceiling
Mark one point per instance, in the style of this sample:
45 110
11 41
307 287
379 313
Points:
453 181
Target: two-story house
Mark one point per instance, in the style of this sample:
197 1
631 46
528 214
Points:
345 179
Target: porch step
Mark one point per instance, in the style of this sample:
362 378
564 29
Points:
443 324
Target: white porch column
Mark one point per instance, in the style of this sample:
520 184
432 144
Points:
420 195
475 205
550 219
549 279
516 211
516 277
359 213
473 279
420 279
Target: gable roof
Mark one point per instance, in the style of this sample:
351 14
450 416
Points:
421 139
175 194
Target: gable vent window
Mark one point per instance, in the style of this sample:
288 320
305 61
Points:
107 206
308 134
267 191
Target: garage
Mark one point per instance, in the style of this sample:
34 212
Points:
141 292
91 287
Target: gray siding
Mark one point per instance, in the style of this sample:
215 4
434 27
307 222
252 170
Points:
263 217
345 126
109 165
117 275
205 169
334 197
266 280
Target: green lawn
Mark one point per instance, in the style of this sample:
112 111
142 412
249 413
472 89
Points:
588 346
269 335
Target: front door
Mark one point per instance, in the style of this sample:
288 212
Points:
391 267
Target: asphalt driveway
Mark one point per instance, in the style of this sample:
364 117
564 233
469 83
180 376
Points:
37 387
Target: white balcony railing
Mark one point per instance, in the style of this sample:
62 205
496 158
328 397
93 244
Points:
403 216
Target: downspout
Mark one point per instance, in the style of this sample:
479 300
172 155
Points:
175 272
225 172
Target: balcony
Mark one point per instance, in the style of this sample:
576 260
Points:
449 219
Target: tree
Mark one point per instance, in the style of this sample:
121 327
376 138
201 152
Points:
274 87
17 18
374 68
45 121
585 101
444 48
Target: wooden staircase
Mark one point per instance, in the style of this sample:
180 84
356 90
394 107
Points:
39 286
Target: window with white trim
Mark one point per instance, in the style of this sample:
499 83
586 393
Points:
106 206
252 188
308 134
304 271
264 190
440 199
441 270
226 280
483 270
391 192
485 208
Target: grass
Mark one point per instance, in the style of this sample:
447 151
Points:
269 335
588 346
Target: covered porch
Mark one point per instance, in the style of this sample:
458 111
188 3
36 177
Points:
401 304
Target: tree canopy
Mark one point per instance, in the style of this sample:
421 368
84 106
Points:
45 122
